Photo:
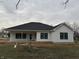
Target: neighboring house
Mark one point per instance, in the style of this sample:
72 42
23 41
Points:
35 31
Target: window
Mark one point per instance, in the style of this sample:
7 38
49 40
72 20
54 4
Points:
63 35
20 35
44 36
24 35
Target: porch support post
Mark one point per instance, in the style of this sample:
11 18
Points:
38 36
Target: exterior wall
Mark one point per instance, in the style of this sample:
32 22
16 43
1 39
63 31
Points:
55 36
39 39
52 36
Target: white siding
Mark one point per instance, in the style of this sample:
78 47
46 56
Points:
55 36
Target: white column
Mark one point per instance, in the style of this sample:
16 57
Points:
12 37
37 36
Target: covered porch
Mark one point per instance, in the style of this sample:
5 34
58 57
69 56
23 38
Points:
23 36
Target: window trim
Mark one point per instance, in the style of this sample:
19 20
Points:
43 35
63 35
20 36
24 37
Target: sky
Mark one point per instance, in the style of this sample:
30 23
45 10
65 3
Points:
50 12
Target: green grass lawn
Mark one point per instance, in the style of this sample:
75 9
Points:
22 52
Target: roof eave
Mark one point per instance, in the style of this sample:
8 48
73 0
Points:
26 30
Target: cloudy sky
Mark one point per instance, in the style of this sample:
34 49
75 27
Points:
47 11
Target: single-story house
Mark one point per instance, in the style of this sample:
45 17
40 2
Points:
36 31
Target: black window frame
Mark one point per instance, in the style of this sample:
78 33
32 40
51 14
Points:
63 35
44 36
24 35
18 35
21 36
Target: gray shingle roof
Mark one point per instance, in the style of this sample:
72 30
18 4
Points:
31 26
61 24
36 26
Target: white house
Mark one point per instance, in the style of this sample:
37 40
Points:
35 31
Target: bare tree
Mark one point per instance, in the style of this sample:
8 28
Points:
17 4
65 3
75 27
